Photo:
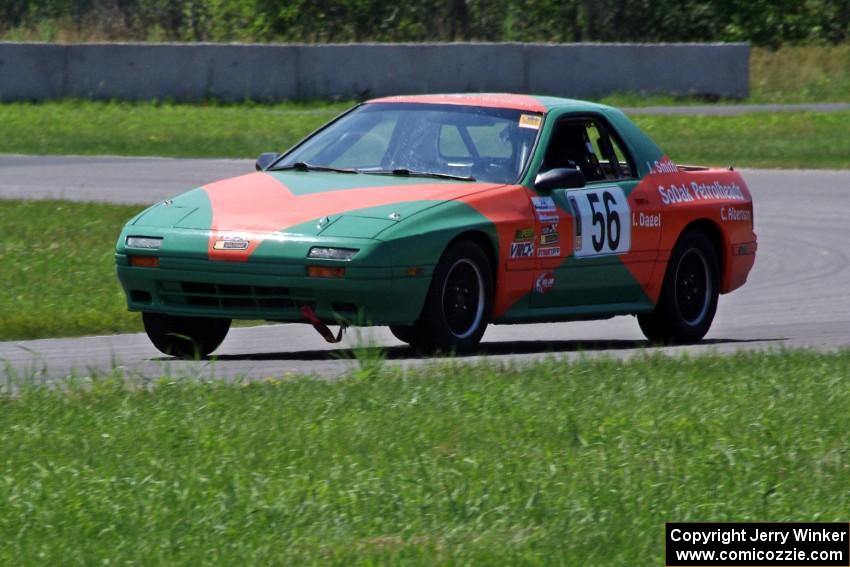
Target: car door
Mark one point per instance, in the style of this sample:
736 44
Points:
598 259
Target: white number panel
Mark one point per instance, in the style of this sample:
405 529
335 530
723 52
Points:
602 220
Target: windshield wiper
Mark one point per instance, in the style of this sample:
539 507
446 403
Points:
404 172
301 166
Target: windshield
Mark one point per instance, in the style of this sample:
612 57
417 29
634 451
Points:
487 144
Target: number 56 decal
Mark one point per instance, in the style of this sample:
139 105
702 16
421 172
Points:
602 220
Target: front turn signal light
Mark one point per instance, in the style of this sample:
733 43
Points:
144 261
325 272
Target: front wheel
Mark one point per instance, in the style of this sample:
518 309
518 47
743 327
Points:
185 337
459 302
688 299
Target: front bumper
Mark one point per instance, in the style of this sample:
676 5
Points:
273 291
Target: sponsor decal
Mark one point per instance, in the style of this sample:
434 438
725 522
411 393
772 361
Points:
545 209
547 239
231 243
522 249
524 234
644 220
550 252
530 121
545 282
700 192
543 217
543 204
549 234
733 214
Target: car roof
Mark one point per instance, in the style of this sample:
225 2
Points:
529 103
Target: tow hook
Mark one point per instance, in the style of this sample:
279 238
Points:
322 329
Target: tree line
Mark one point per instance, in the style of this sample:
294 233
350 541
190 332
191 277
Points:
762 22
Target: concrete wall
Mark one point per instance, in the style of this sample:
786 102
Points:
234 72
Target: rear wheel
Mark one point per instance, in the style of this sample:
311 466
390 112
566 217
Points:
185 337
458 305
688 299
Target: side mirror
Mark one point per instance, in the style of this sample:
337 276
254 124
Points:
265 160
559 178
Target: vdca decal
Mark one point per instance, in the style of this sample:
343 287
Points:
603 221
522 249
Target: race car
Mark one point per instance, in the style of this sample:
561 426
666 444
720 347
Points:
437 215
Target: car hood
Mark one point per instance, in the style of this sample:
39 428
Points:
311 204
281 201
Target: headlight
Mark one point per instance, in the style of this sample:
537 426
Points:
146 242
332 253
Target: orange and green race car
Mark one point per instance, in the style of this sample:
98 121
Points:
438 215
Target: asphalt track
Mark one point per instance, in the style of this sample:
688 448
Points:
798 294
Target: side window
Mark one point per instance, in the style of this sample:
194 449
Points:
586 144
612 158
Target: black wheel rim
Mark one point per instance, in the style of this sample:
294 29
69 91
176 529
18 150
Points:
463 300
693 287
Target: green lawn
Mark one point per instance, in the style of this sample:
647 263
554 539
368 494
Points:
815 140
775 140
178 130
810 73
556 463
58 275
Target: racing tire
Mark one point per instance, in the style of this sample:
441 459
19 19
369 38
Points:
688 299
185 337
459 302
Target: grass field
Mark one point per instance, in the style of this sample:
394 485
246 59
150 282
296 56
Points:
800 74
787 75
58 275
774 140
211 130
557 463
813 140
